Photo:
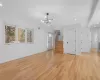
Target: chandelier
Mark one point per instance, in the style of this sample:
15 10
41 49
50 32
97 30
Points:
47 20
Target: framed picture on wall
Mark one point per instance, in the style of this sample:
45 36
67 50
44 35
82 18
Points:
21 35
10 34
30 35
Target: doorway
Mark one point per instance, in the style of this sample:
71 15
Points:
95 38
49 41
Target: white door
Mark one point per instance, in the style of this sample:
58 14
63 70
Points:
71 41
49 41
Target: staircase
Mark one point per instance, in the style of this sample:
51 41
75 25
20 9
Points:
59 47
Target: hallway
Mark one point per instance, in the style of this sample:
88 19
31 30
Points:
49 66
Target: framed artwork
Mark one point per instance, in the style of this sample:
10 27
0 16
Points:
21 35
10 34
29 36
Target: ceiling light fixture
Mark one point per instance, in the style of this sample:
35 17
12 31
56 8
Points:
1 4
47 20
75 19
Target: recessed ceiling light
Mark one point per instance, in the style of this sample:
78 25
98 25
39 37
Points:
1 4
75 19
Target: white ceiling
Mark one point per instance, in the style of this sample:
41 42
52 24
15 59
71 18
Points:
96 17
63 11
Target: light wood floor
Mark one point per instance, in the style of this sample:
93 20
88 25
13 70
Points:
49 66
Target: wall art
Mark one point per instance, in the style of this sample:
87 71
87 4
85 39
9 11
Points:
10 34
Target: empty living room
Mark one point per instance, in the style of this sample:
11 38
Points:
49 39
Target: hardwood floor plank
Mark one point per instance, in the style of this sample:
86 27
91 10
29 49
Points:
49 66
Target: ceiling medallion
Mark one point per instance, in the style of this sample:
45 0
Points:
47 20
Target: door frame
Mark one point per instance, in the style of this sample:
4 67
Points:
48 41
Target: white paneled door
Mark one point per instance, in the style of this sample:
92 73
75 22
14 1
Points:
71 41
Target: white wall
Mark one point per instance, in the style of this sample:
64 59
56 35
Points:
86 39
19 50
94 37
78 39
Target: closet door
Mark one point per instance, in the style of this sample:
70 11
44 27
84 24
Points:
71 41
